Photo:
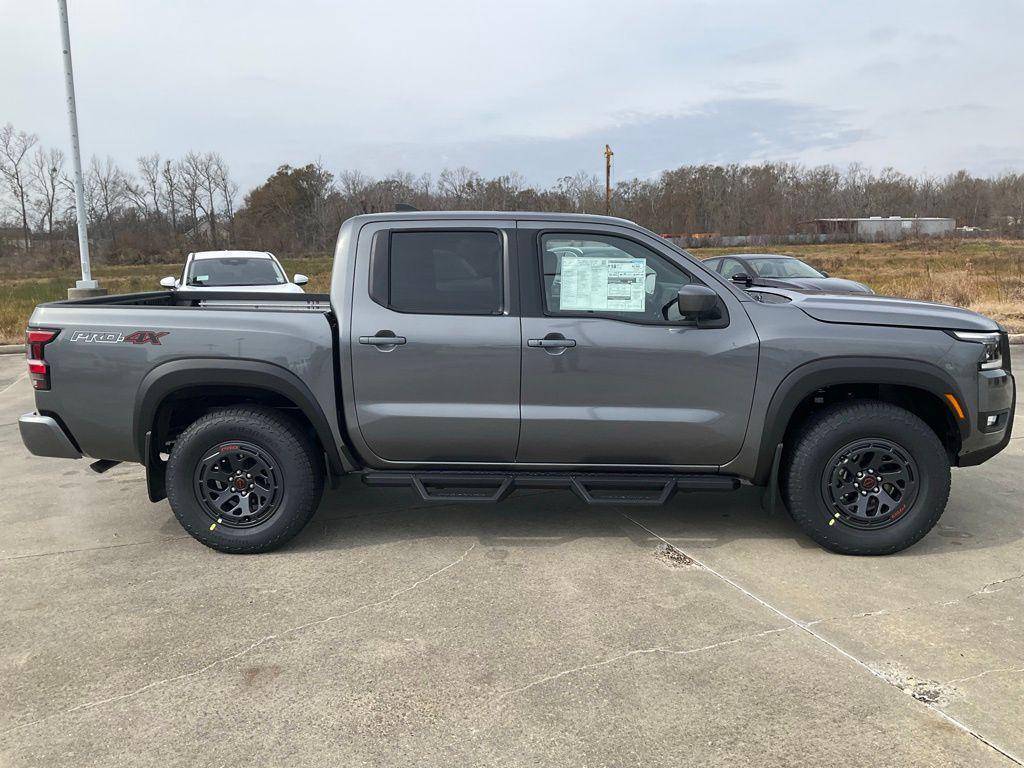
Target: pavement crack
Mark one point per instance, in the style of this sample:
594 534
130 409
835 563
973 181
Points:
638 652
999 671
809 629
16 381
985 590
94 549
249 649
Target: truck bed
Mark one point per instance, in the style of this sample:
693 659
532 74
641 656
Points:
113 355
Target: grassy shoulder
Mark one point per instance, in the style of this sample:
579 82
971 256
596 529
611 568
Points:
984 275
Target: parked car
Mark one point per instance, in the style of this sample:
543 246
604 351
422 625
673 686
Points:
250 271
782 271
444 359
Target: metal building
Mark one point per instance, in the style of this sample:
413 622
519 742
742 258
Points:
886 228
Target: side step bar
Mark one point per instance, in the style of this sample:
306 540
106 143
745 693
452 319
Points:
591 487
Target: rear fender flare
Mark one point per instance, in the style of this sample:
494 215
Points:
176 375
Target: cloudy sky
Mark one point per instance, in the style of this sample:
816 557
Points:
533 87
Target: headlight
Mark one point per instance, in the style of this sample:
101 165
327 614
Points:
991 355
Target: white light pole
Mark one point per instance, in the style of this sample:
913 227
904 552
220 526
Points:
86 286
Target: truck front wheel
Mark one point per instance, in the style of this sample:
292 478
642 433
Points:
866 478
244 479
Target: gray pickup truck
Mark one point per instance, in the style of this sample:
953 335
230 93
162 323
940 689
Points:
466 355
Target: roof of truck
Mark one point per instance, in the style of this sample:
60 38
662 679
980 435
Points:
532 215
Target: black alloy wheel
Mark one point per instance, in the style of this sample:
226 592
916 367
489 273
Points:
870 484
238 484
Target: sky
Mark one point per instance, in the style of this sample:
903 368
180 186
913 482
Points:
536 88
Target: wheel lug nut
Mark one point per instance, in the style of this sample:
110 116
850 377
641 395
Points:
863 493
860 474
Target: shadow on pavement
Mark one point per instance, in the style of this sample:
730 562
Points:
980 514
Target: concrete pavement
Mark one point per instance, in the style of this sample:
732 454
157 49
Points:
535 632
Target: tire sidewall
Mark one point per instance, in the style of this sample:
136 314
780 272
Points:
295 480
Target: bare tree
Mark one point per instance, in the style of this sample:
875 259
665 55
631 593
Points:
169 174
228 190
189 186
149 173
109 188
14 168
321 194
459 186
200 179
47 171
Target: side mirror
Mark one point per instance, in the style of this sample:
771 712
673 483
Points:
823 273
169 282
696 300
300 279
743 279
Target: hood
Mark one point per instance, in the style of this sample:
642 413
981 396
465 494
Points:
829 284
868 309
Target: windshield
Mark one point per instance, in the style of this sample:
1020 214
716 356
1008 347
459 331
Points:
234 271
782 268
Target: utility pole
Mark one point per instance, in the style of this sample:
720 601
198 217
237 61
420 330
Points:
86 286
607 180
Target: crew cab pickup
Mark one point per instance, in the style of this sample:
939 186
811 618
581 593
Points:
467 355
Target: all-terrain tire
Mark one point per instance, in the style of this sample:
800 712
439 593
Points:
810 457
285 453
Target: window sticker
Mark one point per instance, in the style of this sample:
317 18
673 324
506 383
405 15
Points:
592 283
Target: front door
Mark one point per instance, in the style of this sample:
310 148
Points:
435 342
608 378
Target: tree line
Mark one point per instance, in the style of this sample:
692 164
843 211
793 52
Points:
172 205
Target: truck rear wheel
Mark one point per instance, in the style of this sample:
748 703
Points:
866 478
244 479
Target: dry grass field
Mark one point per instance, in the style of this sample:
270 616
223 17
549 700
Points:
21 288
984 275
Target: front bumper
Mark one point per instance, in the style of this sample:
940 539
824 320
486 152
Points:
44 436
996 398
984 446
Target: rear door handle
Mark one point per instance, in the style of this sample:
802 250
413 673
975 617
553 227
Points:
549 343
383 339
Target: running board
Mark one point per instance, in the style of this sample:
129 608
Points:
591 487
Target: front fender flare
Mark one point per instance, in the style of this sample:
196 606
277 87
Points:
817 374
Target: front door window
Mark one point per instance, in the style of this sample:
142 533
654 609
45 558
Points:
605 276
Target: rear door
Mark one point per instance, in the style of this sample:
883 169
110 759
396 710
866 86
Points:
607 378
435 341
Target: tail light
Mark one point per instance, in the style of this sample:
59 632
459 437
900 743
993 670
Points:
36 340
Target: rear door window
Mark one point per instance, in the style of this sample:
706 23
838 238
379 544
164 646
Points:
444 272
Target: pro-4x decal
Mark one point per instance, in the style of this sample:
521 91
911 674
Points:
104 337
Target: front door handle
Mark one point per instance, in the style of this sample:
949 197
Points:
552 341
548 343
383 339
